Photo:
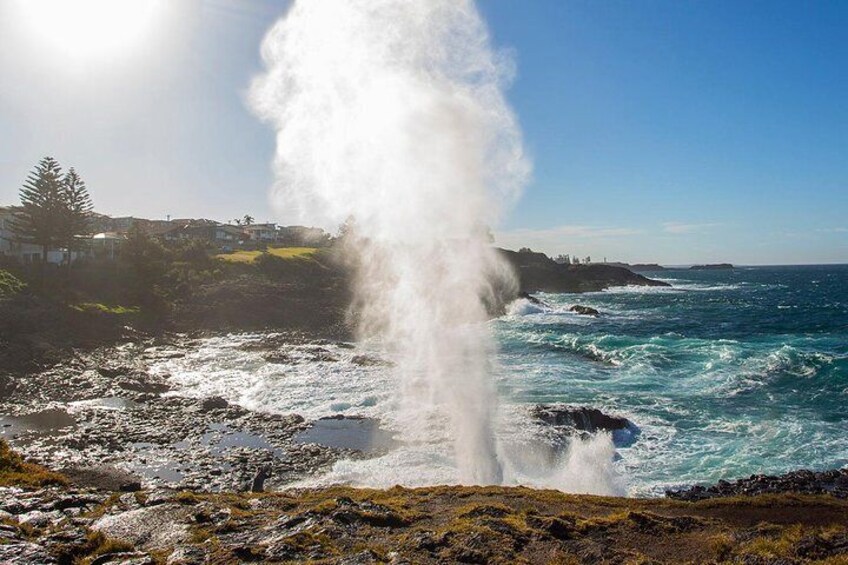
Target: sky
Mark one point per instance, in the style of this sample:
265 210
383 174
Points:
675 132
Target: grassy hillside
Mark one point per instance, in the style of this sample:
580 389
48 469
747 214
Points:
280 252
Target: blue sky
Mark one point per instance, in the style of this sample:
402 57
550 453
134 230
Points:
675 131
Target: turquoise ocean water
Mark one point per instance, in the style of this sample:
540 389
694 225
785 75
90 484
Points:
726 374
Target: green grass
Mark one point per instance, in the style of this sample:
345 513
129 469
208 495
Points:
280 252
10 284
106 309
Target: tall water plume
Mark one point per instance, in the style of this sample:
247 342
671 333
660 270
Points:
392 112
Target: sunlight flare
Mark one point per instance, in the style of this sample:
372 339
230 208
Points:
90 29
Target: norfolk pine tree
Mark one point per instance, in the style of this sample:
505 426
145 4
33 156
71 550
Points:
41 217
76 212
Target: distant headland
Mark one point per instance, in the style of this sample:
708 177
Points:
654 267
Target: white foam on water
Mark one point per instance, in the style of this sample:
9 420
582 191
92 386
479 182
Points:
228 367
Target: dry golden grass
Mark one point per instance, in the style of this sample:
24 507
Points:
520 525
14 471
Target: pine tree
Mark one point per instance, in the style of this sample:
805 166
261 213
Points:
41 216
76 210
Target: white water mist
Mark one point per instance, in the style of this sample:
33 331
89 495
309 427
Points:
392 112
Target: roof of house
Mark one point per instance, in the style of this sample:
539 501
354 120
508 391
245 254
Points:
231 229
109 235
163 229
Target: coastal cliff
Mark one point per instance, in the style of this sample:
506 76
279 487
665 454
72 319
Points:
539 273
41 321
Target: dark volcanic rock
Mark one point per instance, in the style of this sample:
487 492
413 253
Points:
579 418
111 372
584 310
72 417
834 483
303 296
565 422
531 299
7 385
370 361
539 273
104 478
214 403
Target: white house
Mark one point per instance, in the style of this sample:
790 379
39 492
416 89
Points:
106 244
11 246
261 232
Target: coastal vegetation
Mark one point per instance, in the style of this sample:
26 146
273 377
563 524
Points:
244 256
153 285
9 284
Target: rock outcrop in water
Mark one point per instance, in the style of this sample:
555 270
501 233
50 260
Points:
566 422
579 418
584 310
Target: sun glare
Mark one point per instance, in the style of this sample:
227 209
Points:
89 29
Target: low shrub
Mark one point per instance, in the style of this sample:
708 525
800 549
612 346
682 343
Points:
10 284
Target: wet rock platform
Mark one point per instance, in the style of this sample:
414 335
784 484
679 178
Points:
104 418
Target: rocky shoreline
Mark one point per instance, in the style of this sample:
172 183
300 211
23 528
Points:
833 483
154 477
106 414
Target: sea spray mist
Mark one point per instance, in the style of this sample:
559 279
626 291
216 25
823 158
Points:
392 113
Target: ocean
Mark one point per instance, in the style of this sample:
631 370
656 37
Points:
724 374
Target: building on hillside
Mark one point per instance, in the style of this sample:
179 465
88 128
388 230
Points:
168 232
218 234
11 244
261 232
7 235
228 234
101 223
106 245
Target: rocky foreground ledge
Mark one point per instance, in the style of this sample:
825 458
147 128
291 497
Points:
432 525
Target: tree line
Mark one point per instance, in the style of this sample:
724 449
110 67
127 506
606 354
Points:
55 208
575 260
